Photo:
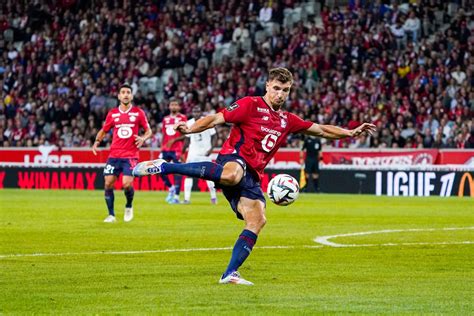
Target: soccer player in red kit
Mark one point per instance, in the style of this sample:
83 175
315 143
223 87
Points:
126 120
260 128
172 147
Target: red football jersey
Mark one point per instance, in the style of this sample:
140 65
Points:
169 133
125 124
258 131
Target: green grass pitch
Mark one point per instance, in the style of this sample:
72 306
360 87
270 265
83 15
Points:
169 258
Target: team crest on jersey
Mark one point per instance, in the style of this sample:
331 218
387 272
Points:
283 123
232 107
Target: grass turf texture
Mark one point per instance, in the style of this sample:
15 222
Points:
382 279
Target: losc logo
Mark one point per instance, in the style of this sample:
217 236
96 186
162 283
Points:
423 159
46 159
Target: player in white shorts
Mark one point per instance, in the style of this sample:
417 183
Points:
200 149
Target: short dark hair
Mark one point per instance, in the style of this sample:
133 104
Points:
281 74
173 99
126 85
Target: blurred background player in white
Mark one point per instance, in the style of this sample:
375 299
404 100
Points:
200 149
126 121
172 147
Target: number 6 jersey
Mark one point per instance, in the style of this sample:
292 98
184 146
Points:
258 131
126 125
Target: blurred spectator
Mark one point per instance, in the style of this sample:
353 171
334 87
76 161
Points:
412 26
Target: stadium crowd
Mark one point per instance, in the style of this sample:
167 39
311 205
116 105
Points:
407 67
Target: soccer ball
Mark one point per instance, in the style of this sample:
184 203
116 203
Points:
283 189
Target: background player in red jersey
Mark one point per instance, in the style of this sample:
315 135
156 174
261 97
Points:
172 147
126 120
260 128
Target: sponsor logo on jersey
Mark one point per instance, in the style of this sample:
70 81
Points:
133 114
265 118
232 107
270 131
132 118
262 110
116 115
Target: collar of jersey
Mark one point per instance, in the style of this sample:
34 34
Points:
269 106
125 112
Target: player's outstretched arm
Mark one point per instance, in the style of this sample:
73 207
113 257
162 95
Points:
98 139
335 132
200 125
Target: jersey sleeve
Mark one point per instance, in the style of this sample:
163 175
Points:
212 131
109 122
298 125
238 111
143 120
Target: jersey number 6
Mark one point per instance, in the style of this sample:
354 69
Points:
268 142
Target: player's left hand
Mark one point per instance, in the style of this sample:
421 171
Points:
182 127
368 128
139 141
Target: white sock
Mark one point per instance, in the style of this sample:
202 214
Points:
188 185
212 189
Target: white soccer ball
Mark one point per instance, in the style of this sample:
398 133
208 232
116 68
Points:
283 189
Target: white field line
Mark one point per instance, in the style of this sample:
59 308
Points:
324 240
134 252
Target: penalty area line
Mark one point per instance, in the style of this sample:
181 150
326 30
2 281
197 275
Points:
324 240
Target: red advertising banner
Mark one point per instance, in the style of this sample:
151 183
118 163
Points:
456 157
381 158
51 156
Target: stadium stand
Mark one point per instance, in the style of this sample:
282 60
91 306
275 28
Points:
406 66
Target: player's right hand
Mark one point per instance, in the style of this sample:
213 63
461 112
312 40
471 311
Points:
368 128
182 127
94 148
